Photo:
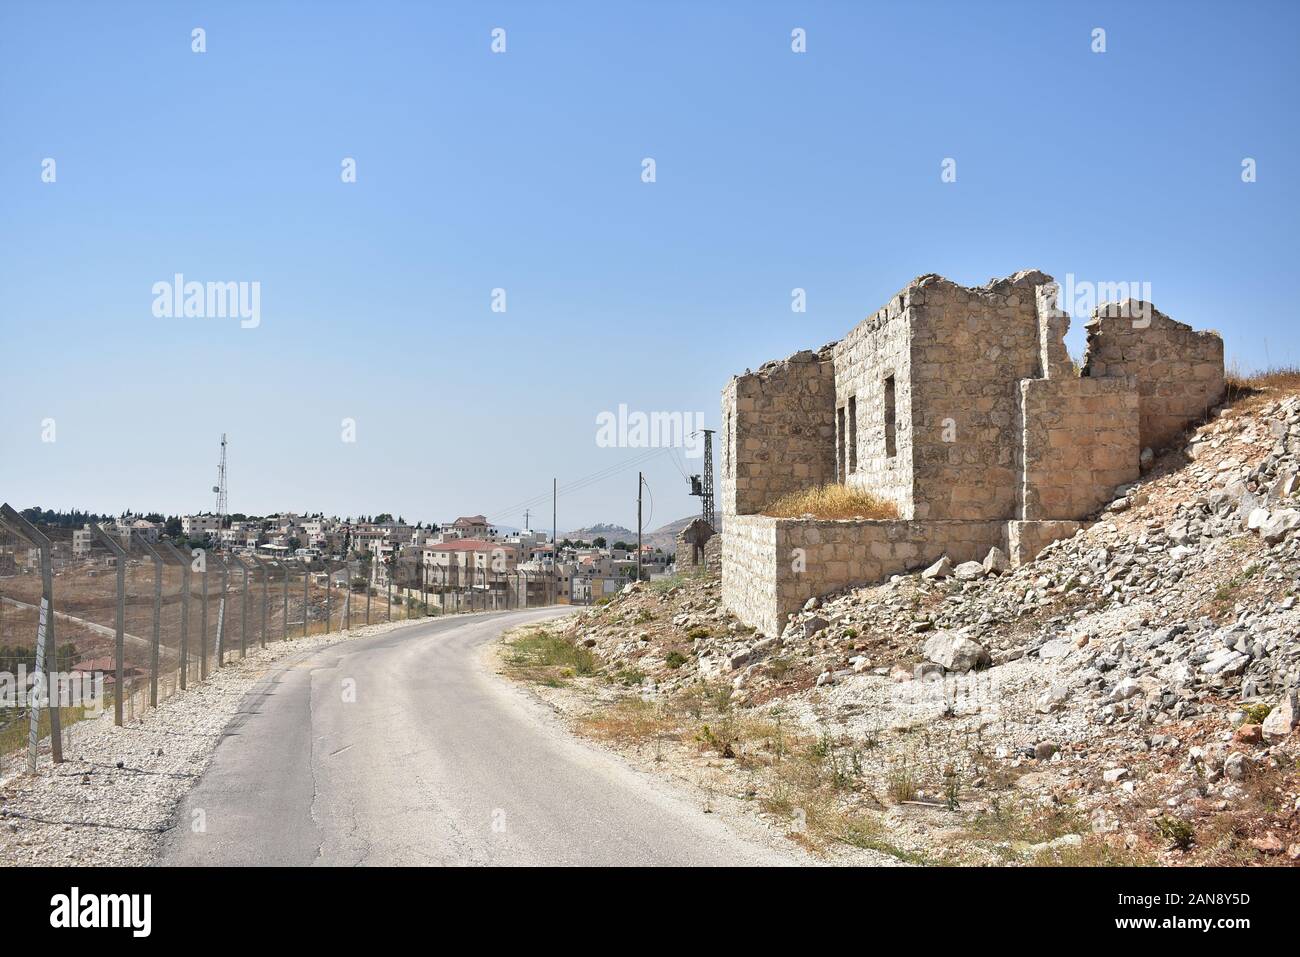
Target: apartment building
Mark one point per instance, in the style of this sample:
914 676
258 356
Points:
195 526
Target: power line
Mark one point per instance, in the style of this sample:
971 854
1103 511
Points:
583 482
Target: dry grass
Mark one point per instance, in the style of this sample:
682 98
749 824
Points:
1242 385
831 502
630 721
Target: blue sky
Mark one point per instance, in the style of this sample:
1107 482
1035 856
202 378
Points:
522 171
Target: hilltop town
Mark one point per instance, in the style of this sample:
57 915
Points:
374 551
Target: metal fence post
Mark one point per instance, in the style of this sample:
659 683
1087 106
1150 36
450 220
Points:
157 620
203 620
284 614
329 597
46 660
185 609
266 595
119 622
243 606
347 597
306 596
221 614
368 590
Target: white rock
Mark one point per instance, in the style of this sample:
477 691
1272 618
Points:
954 652
996 562
1280 524
940 569
1283 719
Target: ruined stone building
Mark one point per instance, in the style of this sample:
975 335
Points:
962 407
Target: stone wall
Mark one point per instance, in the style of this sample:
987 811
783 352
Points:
1079 442
878 348
1179 371
771 566
970 349
993 439
778 431
1026 539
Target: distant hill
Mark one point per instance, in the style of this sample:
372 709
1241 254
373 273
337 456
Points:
665 536
611 533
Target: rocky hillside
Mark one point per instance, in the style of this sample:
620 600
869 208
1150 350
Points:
1130 695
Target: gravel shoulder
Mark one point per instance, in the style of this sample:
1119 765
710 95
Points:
117 794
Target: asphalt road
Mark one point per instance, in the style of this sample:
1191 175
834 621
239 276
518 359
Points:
405 749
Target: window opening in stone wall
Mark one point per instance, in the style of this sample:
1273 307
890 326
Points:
840 442
851 440
891 430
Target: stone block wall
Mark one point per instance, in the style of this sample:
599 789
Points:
778 431
771 566
1179 371
991 440
970 349
877 349
1079 442
1026 539
750 580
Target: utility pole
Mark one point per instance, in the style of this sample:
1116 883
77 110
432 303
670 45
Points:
640 481
707 496
555 541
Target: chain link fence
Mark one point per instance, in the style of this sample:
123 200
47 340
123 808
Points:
96 619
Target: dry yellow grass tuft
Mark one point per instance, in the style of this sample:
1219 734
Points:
831 502
1281 379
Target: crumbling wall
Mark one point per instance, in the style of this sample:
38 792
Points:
970 348
693 545
1079 442
873 449
1179 371
778 431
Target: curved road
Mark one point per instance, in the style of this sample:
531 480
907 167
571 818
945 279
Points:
405 749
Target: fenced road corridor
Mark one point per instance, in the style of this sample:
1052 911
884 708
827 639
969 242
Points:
406 749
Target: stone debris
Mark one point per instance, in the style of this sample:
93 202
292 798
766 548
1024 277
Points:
1148 664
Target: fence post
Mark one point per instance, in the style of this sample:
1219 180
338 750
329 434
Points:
306 594
390 597
243 606
203 620
284 615
119 621
261 566
157 620
329 597
46 661
221 614
185 609
347 597
368 590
